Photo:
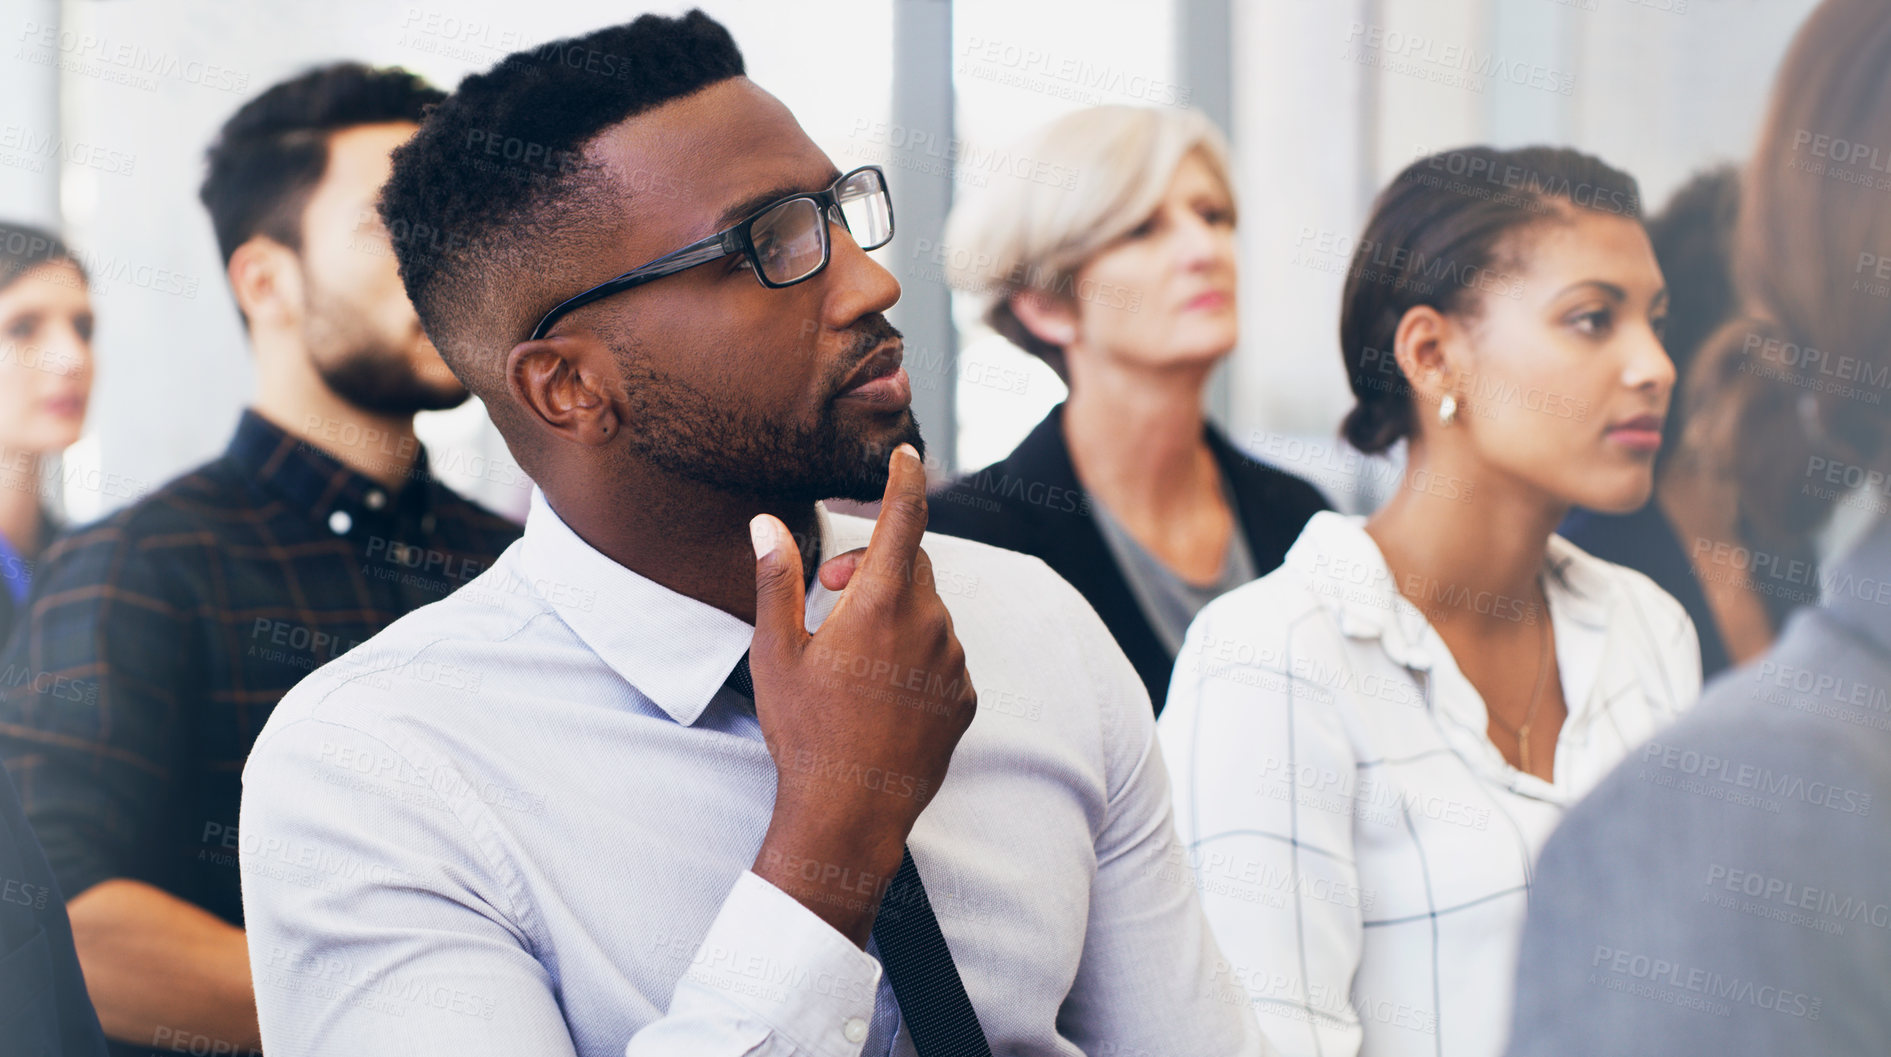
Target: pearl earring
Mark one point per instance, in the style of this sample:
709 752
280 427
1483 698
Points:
1447 410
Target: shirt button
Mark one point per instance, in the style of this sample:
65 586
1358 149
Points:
339 522
376 499
427 523
855 1029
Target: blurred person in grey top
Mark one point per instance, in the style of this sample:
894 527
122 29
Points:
1725 890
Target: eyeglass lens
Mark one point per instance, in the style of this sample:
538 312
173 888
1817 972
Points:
788 237
788 240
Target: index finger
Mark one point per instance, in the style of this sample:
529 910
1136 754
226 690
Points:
902 519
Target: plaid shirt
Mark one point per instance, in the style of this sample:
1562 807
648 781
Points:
160 639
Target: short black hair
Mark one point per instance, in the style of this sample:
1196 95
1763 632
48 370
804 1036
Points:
1435 238
496 177
270 155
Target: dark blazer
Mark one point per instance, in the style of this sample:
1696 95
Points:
1031 501
44 1008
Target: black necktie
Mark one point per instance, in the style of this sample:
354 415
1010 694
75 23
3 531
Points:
933 1003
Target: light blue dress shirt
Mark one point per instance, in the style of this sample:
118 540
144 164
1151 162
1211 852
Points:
520 821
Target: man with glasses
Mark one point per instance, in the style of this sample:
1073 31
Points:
692 795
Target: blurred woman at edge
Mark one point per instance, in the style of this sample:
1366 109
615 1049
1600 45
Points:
45 384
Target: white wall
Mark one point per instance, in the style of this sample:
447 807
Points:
1319 125
30 142
1661 88
1018 67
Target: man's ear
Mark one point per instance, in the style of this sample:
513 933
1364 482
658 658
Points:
1427 347
266 278
569 384
1049 319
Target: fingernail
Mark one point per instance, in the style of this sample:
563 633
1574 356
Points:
911 453
762 534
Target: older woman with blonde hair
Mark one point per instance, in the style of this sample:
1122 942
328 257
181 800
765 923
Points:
1122 280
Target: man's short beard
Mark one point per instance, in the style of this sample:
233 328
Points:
710 439
365 369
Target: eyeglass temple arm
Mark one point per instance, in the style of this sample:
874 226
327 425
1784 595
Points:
715 246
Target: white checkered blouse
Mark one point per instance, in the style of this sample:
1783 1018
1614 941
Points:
1364 851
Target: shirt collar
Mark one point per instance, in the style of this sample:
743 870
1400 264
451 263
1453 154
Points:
1578 583
675 650
1347 572
312 480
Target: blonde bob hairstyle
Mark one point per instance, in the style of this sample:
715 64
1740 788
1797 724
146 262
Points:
1064 194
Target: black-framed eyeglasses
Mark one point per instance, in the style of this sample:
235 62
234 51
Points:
786 242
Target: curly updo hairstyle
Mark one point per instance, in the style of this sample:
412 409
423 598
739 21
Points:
1442 234
1795 388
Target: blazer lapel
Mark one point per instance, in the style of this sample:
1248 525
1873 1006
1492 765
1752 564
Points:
1072 545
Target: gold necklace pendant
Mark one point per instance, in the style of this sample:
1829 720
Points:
1522 732
1536 696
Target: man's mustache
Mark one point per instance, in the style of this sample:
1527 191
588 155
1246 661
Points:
869 334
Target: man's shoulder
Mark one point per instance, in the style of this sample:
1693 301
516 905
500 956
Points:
960 561
186 513
993 593
437 658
